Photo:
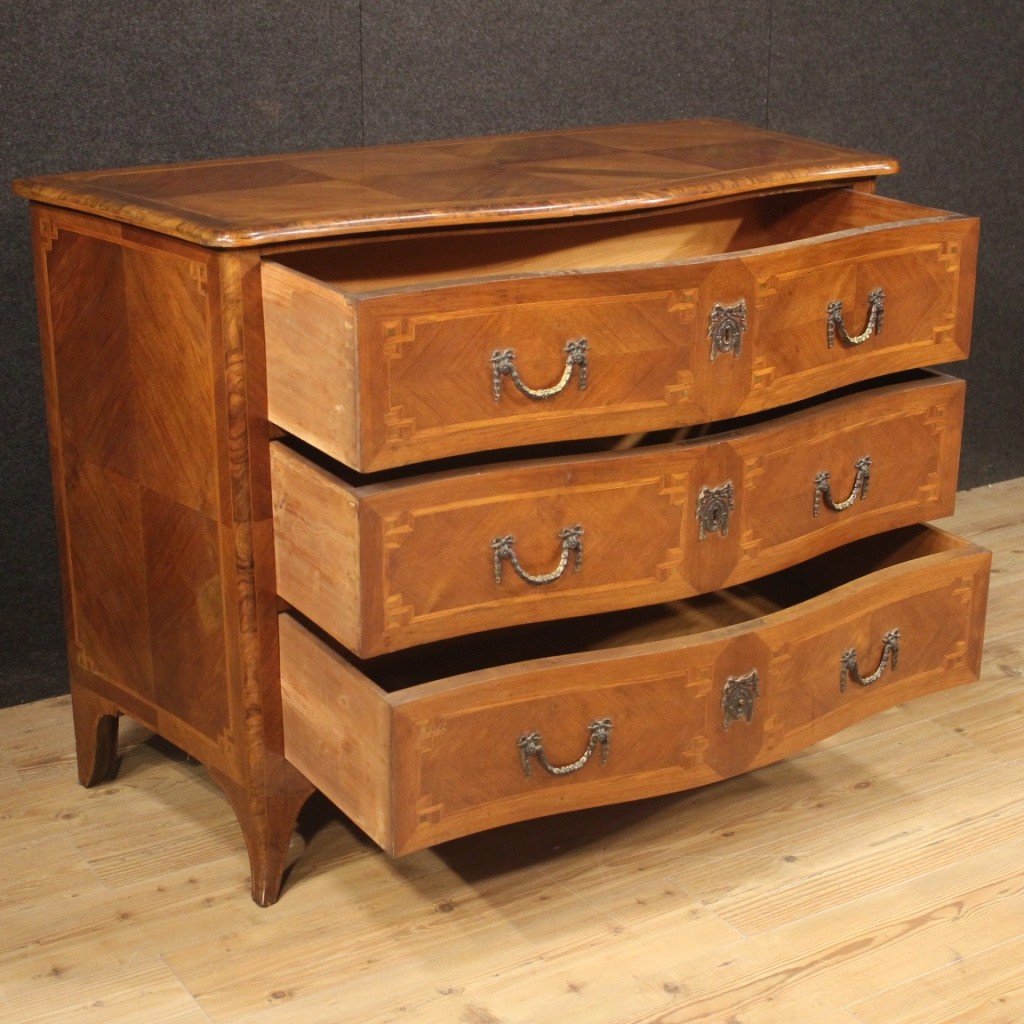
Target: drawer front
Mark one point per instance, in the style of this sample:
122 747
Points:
471 367
523 543
583 730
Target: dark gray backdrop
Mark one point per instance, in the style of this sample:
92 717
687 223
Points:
99 83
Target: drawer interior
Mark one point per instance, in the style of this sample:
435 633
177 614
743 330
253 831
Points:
367 266
437 663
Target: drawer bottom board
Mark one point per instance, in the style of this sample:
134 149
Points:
420 747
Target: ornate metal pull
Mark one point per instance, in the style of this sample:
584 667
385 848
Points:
572 541
738 696
531 745
726 326
823 487
713 507
876 310
503 364
890 656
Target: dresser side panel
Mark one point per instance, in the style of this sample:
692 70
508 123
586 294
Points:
136 398
90 416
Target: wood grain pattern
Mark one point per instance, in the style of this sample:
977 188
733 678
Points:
988 990
318 545
124 509
878 872
416 321
385 566
96 729
311 359
269 795
358 750
265 200
181 305
151 397
454 765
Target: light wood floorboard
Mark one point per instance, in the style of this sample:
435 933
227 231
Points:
877 878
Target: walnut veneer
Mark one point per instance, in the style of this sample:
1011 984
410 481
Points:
385 566
302 537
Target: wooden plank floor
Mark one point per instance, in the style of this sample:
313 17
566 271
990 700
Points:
877 878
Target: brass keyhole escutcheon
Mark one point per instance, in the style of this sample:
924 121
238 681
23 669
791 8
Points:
713 507
725 328
738 697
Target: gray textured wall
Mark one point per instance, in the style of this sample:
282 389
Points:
85 84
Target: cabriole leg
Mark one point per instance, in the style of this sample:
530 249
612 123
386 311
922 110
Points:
268 824
95 736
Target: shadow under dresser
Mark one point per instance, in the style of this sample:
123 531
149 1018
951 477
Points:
479 480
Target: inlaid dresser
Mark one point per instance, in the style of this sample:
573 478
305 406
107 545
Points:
475 481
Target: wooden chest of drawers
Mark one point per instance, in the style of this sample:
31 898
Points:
474 481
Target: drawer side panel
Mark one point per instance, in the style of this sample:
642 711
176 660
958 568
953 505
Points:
336 730
317 544
312 370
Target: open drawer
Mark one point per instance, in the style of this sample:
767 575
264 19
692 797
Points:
468 734
387 351
384 565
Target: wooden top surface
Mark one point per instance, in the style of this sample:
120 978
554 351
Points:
266 200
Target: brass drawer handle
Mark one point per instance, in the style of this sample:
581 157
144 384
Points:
890 656
503 364
726 325
572 541
876 310
531 745
738 697
823 487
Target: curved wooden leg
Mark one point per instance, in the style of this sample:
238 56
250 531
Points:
268 822
95 736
